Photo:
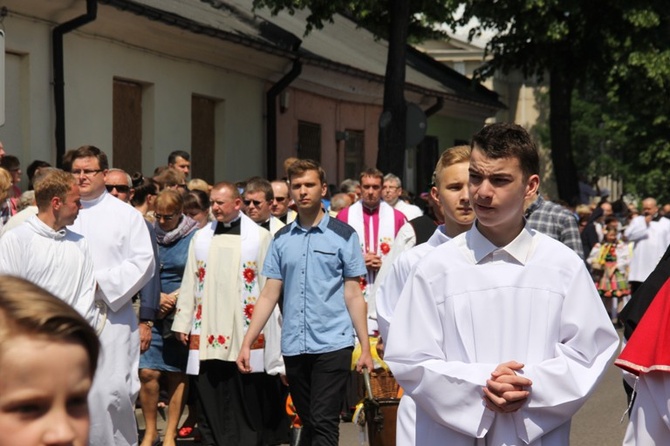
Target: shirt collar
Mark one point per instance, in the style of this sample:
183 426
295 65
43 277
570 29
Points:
93 201
321 226
367 210
234 222
519 248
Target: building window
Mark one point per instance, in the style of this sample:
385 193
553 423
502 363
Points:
127 126
203 137
354 153
309 141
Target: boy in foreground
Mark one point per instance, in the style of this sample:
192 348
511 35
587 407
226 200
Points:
499 334
48 357
318 261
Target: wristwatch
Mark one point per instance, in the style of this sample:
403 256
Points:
149 324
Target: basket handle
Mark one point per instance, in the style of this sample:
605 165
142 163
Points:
368 386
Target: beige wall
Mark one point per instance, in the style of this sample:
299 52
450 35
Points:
333 116
91 64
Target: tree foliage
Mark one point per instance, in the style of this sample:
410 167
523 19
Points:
608 64
609 75
374 15
397 21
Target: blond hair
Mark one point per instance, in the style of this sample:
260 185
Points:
170 199
198 184
5 182
52 183
27 309
451 156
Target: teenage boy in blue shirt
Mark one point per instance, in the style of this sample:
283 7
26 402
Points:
318 261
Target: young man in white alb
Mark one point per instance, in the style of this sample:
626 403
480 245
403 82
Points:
499 335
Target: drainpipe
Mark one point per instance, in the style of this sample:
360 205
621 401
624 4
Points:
59 71
271 101
434 108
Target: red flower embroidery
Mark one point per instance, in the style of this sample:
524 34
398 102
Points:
221 339
210 339
198 312
249 310
249 275
385 248
363 282
201 274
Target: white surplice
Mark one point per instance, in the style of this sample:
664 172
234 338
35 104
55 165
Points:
649 243
387 298
58 261
469 306
398 272
123 262
650 416
405 240
410 211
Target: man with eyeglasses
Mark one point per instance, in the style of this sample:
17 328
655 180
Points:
258 195
280 204
392 192
118 183
123 262
146 302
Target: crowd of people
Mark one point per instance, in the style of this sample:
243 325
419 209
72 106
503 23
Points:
485 299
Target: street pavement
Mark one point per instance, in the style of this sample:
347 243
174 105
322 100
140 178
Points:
597 423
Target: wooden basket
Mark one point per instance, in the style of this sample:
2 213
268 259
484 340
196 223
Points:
384 385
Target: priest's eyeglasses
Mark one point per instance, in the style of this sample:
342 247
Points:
85 172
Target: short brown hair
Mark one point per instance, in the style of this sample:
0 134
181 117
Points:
451 156
508 140
52 183
86 152
170 199
26 309
299 167
234 191
260 185
170 178
288 162
371 172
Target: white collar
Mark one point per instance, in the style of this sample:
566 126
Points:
519 248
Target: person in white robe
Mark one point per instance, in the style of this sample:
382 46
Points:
218 294
43 251
499 335
392 194
450 192
377 225
123 262
646 360
650 235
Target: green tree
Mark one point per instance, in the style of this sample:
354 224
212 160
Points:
397 21
580 45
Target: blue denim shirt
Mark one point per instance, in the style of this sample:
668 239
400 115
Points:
313 264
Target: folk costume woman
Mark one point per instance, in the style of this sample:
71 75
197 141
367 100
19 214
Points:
609 261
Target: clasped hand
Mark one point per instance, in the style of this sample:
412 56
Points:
505 391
